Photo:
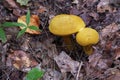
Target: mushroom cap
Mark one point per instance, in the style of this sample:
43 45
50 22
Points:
87 36
34 21
65 24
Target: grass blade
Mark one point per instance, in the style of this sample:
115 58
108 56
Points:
13 24
21 32
28 17
2 35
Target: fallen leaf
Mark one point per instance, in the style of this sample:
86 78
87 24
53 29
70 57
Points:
34 21
17 12
10 4
94 15
25 45
90 3
87 19
115 2
104 63
74 11
41 9
21 60
103 6
117 53
66 64
94 59
110 29
45 51
91 72
52 75
108 46
112 73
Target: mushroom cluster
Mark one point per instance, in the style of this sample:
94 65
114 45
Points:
65 24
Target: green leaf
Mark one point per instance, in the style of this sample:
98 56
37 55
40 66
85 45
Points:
2 35
28 17
21 32
13 24
34 28
23 2
34 74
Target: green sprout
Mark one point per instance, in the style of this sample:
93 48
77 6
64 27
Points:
21 32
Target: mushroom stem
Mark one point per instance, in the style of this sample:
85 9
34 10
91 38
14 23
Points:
68 42
88 49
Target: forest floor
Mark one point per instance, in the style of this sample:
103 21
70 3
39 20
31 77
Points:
49 53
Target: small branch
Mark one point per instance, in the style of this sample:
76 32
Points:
80 66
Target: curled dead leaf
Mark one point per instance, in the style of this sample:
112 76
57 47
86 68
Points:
66 64
20 60
34 21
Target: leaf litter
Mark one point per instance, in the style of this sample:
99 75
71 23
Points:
46 51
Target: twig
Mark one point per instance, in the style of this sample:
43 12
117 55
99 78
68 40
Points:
80 66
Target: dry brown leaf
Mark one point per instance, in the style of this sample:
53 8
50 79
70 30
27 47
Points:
114 74
108 46
34 21
25 45
66 64
52 75
10 4
94 15
41 9
110 29
94 59
104 6
115 2
21 60
103 64
91 72
117 53
90 2
45 51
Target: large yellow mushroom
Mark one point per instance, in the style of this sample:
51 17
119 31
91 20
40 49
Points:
65 25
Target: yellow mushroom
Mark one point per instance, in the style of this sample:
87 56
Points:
86 38
65 25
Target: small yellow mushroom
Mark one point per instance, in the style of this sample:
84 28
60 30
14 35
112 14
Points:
86 38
